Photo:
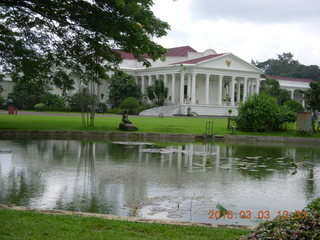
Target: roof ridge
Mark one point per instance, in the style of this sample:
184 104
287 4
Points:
199 59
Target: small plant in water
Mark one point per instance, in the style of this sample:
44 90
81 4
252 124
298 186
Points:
223 211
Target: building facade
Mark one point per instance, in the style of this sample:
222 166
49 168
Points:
205 83
201 83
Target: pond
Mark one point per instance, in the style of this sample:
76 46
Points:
177 181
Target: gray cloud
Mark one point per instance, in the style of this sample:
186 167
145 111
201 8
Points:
261 11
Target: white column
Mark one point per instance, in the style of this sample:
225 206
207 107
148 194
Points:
292 93
257 85
193 94
232 90
189 86
252 87
165 80
245 88
150 80
238 92
220 90
181 87
142 84
207 88
173 88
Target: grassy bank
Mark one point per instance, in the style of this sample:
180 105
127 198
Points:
145 124
31 225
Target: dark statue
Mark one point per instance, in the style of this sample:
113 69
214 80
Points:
126 124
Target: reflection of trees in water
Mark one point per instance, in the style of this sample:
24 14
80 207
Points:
20 186
310 186
85 196
309 156
242 151
59 150
268 159
123 153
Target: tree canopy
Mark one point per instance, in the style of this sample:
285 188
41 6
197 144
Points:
157 92
312 96
261 113
272 88
41 39
286 66
121 86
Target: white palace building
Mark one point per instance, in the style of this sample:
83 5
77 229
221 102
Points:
203 83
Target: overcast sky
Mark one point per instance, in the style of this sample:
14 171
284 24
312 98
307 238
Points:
250 29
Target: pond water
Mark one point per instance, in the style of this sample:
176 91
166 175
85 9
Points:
176 181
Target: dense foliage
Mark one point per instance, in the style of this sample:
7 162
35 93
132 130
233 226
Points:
39 106
1 102
261 113
59 41
157 92
121 86
81 100
286 66
272 87
312 97
294 106
38 34
53 100
299 225
102 108
130 104
26 94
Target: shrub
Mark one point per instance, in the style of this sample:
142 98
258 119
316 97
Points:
294 106
26 94
81 100
1 102
54 100
121 86
115 110
39 106
130 103
157 92
102 108
261 113
299 225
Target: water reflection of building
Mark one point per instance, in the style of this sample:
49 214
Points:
106 177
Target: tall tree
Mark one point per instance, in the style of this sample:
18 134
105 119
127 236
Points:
122 86
272 88
312 97
158 92
286 66
39 39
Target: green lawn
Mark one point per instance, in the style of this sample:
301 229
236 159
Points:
145 124
31 225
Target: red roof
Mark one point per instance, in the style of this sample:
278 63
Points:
171 52
200 59
125 55
291 79
179 51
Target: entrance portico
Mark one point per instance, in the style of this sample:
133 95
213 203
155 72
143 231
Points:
206 82
211 89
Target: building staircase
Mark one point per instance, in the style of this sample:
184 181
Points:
164 111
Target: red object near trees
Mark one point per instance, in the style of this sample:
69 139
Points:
13 110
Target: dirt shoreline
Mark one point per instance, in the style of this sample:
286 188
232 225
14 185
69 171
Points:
141 136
